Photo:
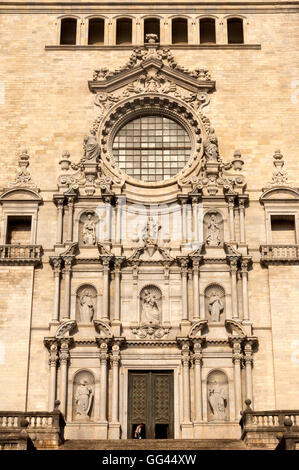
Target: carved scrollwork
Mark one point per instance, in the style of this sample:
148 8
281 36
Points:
146 331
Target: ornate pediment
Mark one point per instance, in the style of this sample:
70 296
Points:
151 70
20 194
150 253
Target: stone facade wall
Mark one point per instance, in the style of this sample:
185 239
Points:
47 108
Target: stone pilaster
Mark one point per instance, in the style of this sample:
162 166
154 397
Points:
59 201
68 262
114 425
248 361
64 358
244 273
71 204
52 346
105 260
196 260
183 260
103 357
231 216
237 361
56 262
233 261
186 426
242 221
197 359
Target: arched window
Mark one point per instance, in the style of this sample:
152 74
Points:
207 31
179 31
235 33
124 31
68 31
96 31
152 26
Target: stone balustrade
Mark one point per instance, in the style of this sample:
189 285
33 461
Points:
44 428
263 428
279 253
20 254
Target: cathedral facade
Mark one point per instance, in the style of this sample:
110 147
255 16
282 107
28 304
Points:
149 216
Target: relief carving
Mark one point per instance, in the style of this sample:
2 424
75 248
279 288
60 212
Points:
88 223
151 299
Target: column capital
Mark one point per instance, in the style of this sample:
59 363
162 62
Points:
68 262
103 347
237 355
185 351
231 201
233 262
64 353
118 262
105 261
115 355
197 347
56 263
245 264
183 262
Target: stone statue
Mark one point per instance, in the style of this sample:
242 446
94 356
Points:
210 146
150 309
217 400
150 231
83 399
89 231
213 232
215 306
86 306
91 147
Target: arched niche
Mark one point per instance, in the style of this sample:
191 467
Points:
217 399
88 228
86 304
213 228
83 396
150 305
215 303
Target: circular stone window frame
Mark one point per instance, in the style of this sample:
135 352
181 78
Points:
145 105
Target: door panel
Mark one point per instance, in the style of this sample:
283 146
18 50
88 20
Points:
151 403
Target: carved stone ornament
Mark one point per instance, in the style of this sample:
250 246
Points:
213 226
217 388
148 331
86 304
83 396
103 328
150 306
66 327
23 177
88 222
197 329
280 176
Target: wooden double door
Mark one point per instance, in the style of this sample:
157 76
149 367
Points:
151 403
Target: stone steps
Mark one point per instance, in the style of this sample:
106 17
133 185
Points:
155 444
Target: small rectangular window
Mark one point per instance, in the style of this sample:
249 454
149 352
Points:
283 229
18 230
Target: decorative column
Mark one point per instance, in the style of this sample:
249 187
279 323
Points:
244 273
59 201
68 261
237 359
183 260
248 360
114 425
103 356
195 219
231 215
56 263
184 231
51 344
118 234
233 261
70 201
186 424
196 302
64 357
118 261
242 220
197 359
106 278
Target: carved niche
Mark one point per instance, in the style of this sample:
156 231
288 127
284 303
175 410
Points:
213 228
150 305
83 396
217 390
215 303
88 228
86 301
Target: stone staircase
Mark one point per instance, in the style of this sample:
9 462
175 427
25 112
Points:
155 444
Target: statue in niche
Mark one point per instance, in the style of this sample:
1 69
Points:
217 398
83 399
150 309
150 231
86 306
213 232
89 231
210 146
91 147
215 306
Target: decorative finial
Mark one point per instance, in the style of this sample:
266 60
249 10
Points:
279 177
248 403
65 162
151 38
23 177
237 161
